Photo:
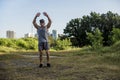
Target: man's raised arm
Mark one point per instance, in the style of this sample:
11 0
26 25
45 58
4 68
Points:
49 20
34 20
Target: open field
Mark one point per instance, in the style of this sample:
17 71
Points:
66 65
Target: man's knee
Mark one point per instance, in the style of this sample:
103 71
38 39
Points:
40 52
47 51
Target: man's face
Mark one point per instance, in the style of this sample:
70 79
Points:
42 24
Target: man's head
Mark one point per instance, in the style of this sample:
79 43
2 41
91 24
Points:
42 22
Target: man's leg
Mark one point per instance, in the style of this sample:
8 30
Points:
48 56
40 57
46 46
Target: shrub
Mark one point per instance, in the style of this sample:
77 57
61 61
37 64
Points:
3 42
32 43
11 43
95 39
63 44
21 43
115 35
7 42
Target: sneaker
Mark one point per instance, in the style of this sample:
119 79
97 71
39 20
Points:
41 65
48 65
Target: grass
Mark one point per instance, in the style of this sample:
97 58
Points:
80 64
6 49
64 67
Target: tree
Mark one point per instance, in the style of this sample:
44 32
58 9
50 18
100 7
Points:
74 29
108 22
71 28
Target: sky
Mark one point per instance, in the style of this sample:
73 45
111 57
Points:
17 15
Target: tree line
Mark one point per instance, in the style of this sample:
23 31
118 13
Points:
107 24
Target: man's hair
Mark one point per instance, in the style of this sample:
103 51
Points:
42 20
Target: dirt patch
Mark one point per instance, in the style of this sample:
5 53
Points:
37 56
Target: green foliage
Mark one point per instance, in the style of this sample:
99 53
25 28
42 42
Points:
73 29
3 42
7 42
62 44
22 43
116 47
105 22
115 35
11 43
95 38
51 41
32 43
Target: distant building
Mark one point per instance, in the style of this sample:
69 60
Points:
36 35
10 34
54 34
29 35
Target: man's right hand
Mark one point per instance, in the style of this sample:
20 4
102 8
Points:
38 14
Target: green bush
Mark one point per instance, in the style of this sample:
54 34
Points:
3 42
95 39
62 44
21 43
32 43
7 42
11 43
115 35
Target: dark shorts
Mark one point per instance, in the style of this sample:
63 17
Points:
43 46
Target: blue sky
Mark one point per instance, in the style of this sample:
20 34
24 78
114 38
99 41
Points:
17 15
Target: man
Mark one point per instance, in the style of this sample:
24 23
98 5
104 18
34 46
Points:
42 31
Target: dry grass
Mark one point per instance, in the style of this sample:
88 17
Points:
69 65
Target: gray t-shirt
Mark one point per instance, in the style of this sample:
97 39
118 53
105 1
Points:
42 34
